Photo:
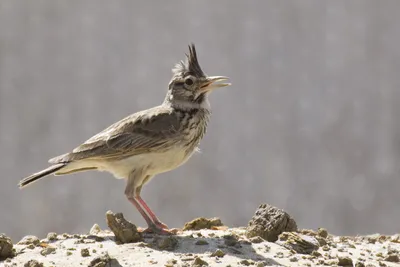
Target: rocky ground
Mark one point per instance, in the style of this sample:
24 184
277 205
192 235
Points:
270 239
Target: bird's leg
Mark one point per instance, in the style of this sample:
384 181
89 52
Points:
146 217
132 192
151 213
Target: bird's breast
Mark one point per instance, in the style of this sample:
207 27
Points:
152 163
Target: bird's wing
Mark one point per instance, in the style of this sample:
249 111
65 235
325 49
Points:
138 133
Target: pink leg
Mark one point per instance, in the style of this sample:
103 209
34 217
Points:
152 226
151 213
142 212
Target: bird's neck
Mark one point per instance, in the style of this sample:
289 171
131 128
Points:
184 104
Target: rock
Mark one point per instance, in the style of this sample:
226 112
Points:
256 239
198 262
6 247
230 240
359 264
170 263
33 263
124 231
202 223
103 261
95 229
392 258
218 253
201 242
269 222
47 250
322 232
245 262
52 236
85 252
165 242
29 239
345 261
300 243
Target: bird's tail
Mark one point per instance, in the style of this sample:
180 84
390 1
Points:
36 176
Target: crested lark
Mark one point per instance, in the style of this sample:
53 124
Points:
148 142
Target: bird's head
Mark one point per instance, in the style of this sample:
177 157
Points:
189 84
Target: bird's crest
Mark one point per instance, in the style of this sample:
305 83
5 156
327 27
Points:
191 65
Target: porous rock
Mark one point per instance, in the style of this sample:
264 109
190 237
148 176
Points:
33 263
6 247
104 261
202 223
29 239
124 231
269 222
300 243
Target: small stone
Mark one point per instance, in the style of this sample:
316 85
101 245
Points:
6 247
30 246
47 250
218 253
66 236
269 222
300 243
103 261
294 259
256 239
198 262
124 231
170 263
94 250
29 239
382 264
95 238
260 264
165 242
95 229
202 223
201 242
359 264
345 261
316 254
331 262
322 232
245 262
33 263
395 238
69 253
325 248
230 240
52 236
392 258
85 252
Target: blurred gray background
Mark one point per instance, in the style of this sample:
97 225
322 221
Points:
310 123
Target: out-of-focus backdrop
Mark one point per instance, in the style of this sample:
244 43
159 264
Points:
311 123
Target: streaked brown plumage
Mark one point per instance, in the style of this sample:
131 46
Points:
148 142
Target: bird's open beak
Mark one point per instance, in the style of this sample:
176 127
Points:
211 83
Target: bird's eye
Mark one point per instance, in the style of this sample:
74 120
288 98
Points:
188 81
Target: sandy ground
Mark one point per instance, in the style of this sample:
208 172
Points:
219 246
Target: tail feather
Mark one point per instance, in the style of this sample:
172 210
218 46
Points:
41 174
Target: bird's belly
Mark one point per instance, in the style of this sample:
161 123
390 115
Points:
152 163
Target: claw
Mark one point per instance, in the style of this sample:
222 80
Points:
157 230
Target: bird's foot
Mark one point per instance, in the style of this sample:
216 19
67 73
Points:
157 230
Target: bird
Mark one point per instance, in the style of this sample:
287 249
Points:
148 142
